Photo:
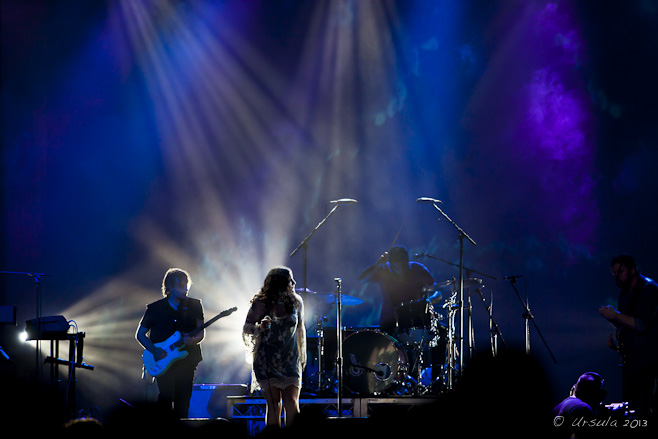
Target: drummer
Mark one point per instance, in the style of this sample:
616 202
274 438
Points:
400 281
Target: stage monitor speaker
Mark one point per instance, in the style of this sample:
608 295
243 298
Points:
209 400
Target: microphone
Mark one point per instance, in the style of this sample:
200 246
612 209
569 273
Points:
355 367
513 277
343 201
428 200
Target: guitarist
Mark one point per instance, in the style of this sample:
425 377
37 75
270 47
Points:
175 312
636 321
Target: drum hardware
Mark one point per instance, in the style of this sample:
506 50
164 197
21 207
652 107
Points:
322 375
325 381
420 331
449 370
415 380
455 305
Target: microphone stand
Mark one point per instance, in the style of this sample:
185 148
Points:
527 315
304 245
37 288
462 235
493 326
467 269
339 345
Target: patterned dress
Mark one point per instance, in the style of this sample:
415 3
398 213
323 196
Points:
279 352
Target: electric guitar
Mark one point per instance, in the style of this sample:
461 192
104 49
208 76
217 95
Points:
174 346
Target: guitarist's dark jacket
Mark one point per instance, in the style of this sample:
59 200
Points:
163 321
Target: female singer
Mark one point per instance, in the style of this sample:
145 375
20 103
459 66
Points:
275 337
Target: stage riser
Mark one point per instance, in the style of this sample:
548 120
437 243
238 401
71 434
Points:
209 400
251 411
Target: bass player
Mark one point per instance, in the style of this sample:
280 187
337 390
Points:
636 321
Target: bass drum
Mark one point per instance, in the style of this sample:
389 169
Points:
374 362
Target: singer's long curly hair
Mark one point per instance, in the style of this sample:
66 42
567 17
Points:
278 286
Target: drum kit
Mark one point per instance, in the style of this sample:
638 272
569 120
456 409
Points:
408 360
423 354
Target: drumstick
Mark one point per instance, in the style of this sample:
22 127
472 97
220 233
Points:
395 239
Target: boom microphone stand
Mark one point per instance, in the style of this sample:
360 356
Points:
37 288
527 315
462 234
493 326
304 245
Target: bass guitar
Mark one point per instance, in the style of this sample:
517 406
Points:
174 346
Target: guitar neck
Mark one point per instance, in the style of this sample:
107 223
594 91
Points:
213 320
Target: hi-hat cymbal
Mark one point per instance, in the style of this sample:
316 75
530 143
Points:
304 290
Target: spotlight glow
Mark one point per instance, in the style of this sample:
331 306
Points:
232 130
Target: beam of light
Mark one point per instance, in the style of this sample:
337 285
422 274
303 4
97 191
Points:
220 108
228 190
211 97
242 150
358 114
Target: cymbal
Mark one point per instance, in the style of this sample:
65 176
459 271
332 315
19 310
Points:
332 298
439 286
472 282
468 283
304 290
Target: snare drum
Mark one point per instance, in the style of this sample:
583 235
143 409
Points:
374 362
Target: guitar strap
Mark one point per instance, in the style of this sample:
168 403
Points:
182 314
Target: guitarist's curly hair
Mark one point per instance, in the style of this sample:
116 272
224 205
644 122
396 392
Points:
171 276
